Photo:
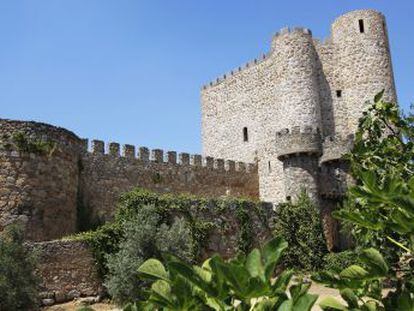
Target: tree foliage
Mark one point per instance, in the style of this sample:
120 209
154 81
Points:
300 225
146 236
18 283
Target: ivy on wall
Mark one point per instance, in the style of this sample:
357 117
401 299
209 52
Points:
202 215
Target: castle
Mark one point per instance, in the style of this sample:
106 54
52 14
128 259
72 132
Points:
271 128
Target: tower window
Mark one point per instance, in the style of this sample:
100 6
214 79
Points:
269 166
361 26
338 93
245 134
288 198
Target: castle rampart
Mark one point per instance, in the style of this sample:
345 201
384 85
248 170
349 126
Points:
39 178
48 176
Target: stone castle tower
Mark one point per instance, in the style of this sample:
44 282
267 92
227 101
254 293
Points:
294 110
269 129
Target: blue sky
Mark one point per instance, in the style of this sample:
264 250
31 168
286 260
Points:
130 71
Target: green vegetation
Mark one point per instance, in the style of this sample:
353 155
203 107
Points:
19 141
145 236
380 212
336 262
383 151
18 284
148 224
244 283
300 225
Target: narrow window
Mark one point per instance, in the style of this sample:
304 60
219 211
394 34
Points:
245 134
338 93
361 26
269 167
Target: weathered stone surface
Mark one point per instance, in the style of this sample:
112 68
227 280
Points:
301 83
67 269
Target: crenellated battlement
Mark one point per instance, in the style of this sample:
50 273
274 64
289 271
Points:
284 31
306 140
236 71
144 154
335 147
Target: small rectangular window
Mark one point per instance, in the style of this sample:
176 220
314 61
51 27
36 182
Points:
338 93
361 26
269 166
245 134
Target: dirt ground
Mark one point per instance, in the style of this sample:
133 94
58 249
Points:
75 305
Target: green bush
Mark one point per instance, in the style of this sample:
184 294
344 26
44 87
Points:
244 283
199 214
145 236
18 284
336 262
300 225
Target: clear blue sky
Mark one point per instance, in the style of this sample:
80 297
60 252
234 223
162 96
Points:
131 71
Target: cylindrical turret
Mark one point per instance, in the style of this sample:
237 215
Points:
299 150
297 87
39 171
297 96
363 61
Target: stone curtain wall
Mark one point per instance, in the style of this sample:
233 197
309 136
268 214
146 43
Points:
39 189
296 84
105 176
47 190
67 270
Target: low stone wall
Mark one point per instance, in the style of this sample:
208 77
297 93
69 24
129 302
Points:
67 270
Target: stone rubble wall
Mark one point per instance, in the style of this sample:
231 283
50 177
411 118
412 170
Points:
47 192
39 190
67 270
105 176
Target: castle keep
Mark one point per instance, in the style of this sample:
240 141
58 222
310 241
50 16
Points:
275 126
294 110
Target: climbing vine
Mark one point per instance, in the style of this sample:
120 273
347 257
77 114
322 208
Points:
203 217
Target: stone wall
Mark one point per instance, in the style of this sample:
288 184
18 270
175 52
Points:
107 175
67 270
46 189
39 188
300 82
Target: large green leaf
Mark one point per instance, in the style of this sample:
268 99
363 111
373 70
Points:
254 264
354 272
283 280
162 290
287 305
154 269
271 253
349 296
330 303
305 302
196 278
375 261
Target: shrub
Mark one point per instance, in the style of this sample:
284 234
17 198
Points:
18 284
200 214
336 262
300 225
145 236
244 283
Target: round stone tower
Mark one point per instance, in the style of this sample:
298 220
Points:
39 171
297 95
363 62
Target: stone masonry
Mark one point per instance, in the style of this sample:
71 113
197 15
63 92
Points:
295 109
282 122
